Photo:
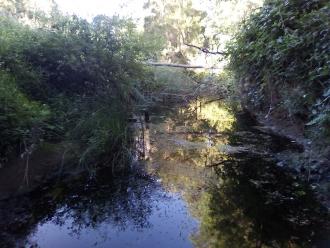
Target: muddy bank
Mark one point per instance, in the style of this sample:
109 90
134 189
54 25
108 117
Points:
311 162
24 174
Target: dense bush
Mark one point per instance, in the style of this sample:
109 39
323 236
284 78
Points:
21 119
69 79
282 56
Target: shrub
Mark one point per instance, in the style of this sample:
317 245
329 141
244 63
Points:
21 120
74 78
281 55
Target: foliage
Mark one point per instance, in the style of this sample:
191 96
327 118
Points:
21 119
72 79
100 129
175 23
281 55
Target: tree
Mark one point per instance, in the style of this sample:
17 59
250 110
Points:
177 23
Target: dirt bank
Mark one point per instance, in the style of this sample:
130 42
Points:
313 164
23 174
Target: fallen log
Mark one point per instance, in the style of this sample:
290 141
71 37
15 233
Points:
179 65
175 65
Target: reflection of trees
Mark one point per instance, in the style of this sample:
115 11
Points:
200 154
191 134
189 181
214 116
251 202
255 204
121 201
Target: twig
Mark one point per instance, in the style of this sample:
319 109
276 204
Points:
27 152
62 161
26 171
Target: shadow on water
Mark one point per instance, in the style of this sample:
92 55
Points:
120 201
208 178
255 204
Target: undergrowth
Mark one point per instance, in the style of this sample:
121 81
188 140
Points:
63 78
281 57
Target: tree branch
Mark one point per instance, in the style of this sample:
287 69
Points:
174 65
179 65
205 50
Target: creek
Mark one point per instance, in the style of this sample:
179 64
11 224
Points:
204 175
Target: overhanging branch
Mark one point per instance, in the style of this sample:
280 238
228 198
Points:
179 65
206 50
174 65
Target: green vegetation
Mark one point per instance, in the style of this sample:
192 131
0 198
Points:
63 78
281 55
20 116
185 91
67 80
175 23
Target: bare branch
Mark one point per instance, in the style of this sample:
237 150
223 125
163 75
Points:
205 50
179 65
174 65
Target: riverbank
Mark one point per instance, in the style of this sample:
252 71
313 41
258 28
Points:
311 165
280 60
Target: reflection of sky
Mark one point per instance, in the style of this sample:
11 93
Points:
170 226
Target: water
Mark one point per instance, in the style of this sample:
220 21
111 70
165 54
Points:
167 225
205 178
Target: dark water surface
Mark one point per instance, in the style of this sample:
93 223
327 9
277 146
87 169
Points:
205 178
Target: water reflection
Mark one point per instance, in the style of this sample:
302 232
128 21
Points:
212 115
226 172
201 161
129 210
254 204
